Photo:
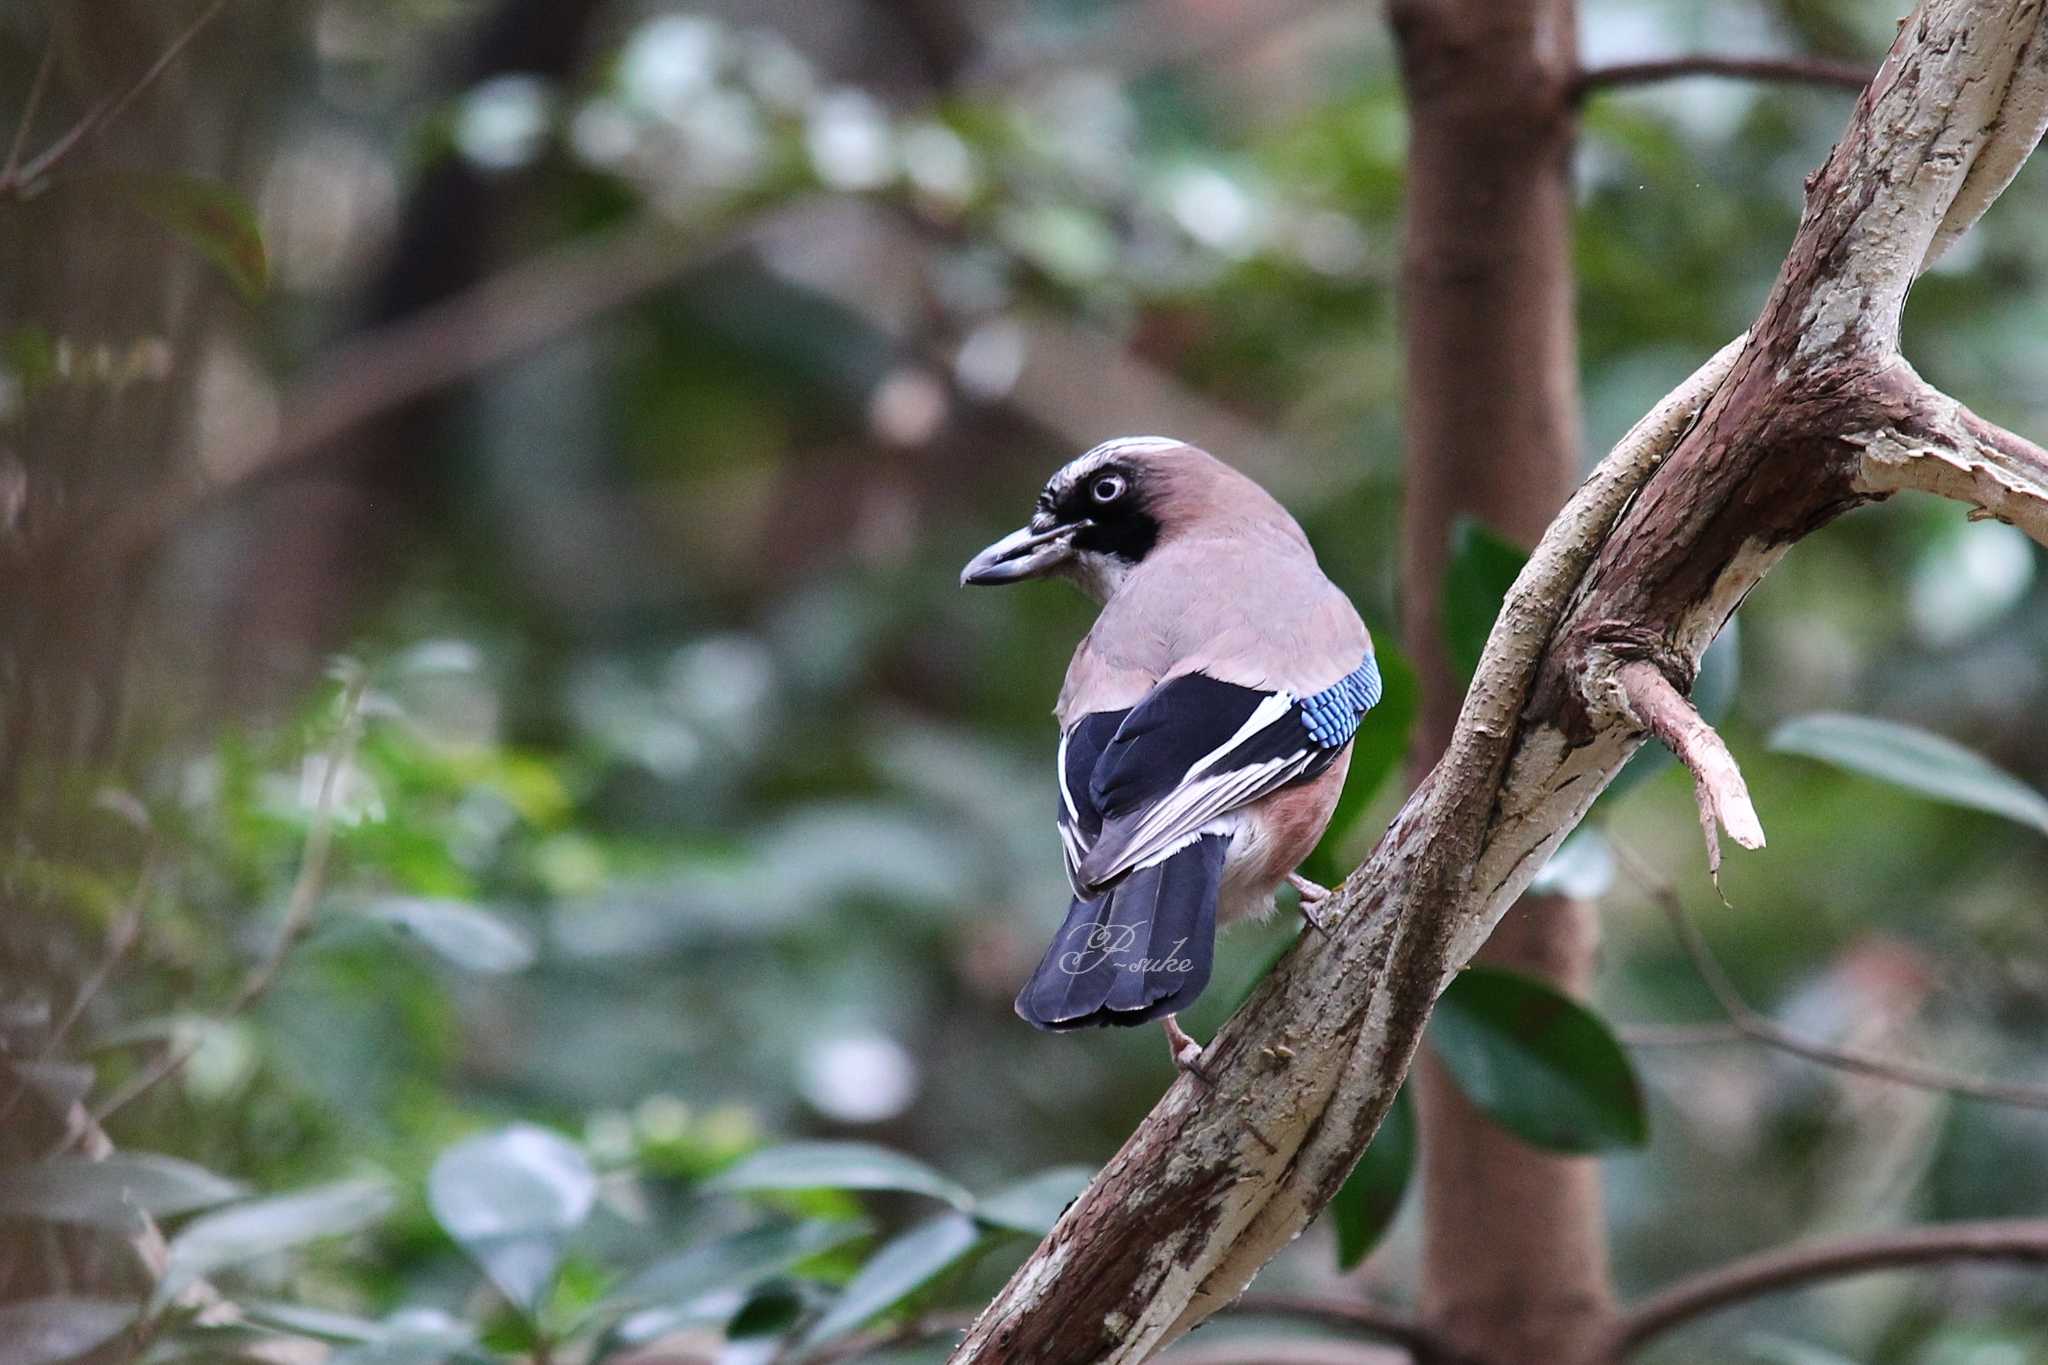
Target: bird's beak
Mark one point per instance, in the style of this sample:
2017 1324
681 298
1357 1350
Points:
1024 553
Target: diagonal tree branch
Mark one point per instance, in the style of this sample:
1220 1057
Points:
1647 562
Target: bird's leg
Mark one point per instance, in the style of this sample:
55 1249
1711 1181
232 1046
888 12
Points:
1187 1053
1312 898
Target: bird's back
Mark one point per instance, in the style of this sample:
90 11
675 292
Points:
1250 609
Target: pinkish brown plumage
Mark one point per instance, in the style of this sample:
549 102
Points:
1205 721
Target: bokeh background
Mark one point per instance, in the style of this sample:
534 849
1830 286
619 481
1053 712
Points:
694 808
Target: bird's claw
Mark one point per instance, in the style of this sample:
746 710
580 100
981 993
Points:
1187 1053
1313 898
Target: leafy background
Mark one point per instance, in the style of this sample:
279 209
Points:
689 827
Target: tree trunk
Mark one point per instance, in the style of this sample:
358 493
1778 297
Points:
1514 1244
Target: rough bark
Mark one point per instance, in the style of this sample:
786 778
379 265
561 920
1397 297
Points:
1492 433
1810 414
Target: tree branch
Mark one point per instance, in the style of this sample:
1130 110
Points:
1942 447
1647 561
1820 71
1792 70
1772 1272
388 367
298 913
18 180
1754 1026
1716 779
121 936
29 108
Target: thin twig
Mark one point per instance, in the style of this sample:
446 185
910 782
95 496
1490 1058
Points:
1792 70
29 108
105 111
121 936
1761 1028
298 914
1772 1272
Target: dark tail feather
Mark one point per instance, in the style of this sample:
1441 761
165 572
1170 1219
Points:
1140 950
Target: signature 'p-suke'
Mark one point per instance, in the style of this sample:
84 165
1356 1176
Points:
1205 723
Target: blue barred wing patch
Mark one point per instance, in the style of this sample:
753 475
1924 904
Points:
1331 716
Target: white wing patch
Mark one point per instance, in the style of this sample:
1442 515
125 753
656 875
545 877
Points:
1200 799
1189 811
1066 793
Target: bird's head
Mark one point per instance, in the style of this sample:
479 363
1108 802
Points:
1099 516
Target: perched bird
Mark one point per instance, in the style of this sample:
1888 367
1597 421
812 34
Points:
1205 723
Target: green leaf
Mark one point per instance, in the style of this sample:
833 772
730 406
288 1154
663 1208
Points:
1538 1063
1365 1207
1482 568
42 1331
837 1166
1915 759
31 354
901 1268
412 1350
643 1325
737 1261
1376 755
111 1193
1035 1203
417 1336
210 217
266 1226
466 936
769 1311
512 1198
315 1324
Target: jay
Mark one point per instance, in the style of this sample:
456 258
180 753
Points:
1205 722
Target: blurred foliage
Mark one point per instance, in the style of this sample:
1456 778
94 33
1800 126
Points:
657 986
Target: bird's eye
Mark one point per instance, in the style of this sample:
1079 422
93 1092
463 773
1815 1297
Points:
1108 488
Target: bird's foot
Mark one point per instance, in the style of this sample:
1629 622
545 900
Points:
1187 1053
1313 898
